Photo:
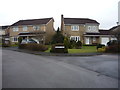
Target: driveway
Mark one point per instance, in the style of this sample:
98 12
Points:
22 70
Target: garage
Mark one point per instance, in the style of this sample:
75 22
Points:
104 40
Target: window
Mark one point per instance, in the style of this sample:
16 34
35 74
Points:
36 27
24 28
94 39
89 28
14 39
75 28
75 38
44 28
94 28
15 29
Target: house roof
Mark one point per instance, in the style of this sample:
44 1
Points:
101 32
32 22
79 21
4 27
115 27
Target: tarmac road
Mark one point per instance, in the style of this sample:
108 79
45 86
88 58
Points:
22 70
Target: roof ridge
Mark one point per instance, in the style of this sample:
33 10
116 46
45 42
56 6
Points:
36 19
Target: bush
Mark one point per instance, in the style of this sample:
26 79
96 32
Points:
112 42
6 43
57 38
66 42
113 48
33 47
58 50
22 46
19 40
36 47
90 45
100 46
78 45
101 50
72 44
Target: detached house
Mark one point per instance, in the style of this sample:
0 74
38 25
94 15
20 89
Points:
85 30
40 29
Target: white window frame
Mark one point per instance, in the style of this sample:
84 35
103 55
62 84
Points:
36 27
14 39
25 28
15 29
44 28
94 39
76 38
89 28
75 27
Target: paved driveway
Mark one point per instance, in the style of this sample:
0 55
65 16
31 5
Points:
21 70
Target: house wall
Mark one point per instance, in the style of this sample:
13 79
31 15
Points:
49 31
83 28
68 32
30 28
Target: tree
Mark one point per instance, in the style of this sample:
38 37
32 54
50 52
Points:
58 37
66 42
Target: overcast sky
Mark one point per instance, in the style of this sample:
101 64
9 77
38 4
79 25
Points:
104 11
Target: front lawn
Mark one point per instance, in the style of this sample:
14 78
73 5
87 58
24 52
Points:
85 49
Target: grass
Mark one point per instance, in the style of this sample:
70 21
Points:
85 49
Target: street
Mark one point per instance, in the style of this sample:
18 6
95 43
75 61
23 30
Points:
22 70
0 68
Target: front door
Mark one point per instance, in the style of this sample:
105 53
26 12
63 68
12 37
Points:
87 40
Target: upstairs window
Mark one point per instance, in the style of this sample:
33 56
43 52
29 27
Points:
15 29
75 28
92 29
36 27
24 28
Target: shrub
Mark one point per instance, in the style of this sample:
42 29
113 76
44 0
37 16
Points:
78 45
113 48
101 50
66 42
90 45
58 50
36 47
100 46
6 43
19 40
113 42
72 44
57 38
22 46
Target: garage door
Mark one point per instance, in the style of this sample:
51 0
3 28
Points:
104 40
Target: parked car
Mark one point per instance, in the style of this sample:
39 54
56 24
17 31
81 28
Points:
26 41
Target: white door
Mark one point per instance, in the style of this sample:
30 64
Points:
104 40
87 40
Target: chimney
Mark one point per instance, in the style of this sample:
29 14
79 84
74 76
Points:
62 23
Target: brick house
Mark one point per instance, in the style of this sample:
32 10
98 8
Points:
85 30
40 29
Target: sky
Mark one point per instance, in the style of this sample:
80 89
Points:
104 11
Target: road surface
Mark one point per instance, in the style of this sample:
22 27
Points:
22 70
